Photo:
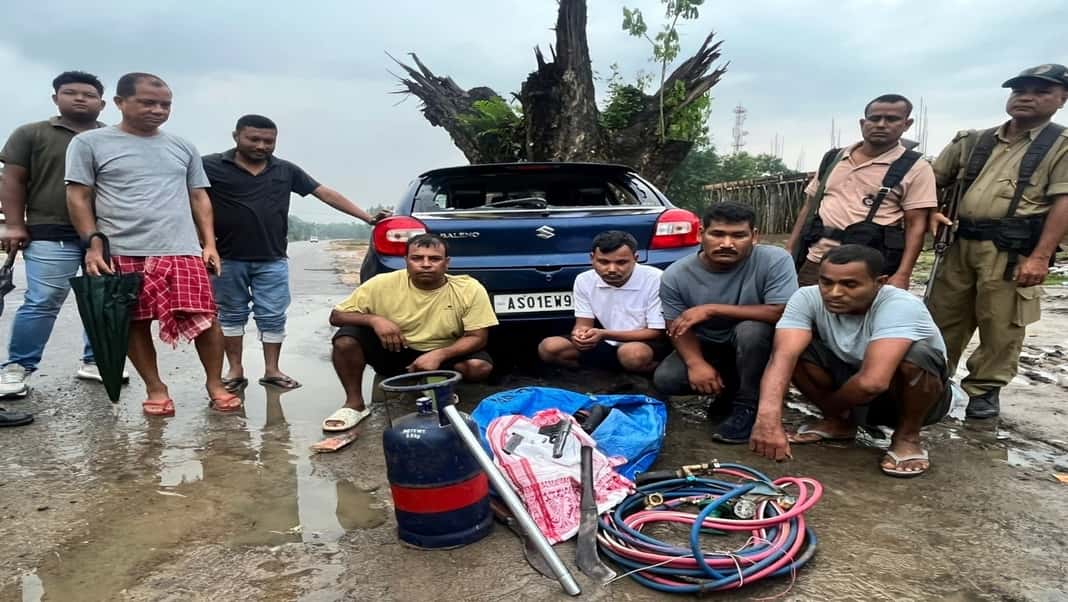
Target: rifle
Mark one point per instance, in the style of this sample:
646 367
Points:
945 235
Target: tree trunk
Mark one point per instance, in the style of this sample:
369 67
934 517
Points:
560 120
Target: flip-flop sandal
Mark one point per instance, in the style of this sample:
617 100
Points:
14 418
820 436
348 418
234 385
226 403
158 407
899 460
282 382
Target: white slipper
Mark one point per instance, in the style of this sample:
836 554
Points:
348 418
899 460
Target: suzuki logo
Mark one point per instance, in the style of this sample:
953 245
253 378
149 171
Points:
545 232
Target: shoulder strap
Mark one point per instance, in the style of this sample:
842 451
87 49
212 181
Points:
894 175
827 162
830 159
979 156
1036 151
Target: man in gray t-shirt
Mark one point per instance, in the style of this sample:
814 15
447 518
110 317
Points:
721 305
150 202
865 354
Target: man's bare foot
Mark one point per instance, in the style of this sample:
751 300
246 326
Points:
908 459
157 394
828 429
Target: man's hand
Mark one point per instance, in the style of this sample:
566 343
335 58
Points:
1031 271
936 220
212 260
390 335
431 360
705 379
587 339
769 439
690 318
94 260
900 281
15 238
381 215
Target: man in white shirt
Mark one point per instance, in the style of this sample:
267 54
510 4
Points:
618 321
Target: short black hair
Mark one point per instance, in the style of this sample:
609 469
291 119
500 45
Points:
425 240
127 85
612 240
730 212
871 258
77 77
890 99
255 121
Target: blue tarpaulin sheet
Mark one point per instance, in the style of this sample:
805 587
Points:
633 429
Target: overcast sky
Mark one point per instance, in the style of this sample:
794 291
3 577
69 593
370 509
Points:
319 69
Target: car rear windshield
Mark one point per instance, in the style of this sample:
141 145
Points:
531 190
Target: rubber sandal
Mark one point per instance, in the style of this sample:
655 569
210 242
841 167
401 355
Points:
234 385
348 417
899 460
226 403
820 435
157 407
282 382
14 418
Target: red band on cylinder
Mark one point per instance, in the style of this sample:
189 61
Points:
424 500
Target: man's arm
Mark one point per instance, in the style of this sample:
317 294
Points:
204 218
470 342
769 437
338 201
1035 268
13 201
80 208
703 376
769 313
799 225
388 333
881 360
915 229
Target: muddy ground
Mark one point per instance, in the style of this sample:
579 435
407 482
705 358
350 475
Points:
97 502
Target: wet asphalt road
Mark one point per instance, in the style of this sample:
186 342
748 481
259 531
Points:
98 502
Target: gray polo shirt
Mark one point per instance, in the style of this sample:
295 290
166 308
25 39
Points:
142 186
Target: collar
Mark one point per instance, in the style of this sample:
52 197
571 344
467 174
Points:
1031 133
54 121
886 158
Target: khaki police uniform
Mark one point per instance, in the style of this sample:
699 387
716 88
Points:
969 290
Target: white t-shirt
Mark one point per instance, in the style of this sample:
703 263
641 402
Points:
633 306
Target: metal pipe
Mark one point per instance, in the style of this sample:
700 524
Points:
504 489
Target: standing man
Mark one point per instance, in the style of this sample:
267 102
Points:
618 320
151 203
411 320
250 190
873 193
38 224
864 354
721 306
1012 182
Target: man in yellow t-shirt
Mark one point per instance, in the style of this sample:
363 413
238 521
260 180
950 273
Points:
410 321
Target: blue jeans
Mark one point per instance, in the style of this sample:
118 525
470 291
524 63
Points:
50 265
257 287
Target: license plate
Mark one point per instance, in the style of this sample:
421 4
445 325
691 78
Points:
531 303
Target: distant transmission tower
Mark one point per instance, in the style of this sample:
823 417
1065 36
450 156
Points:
739 133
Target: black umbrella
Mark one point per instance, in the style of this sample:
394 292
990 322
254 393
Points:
104 302
7 276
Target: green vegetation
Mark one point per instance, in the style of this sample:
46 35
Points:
704 166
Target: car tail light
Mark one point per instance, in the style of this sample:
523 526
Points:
675 228
391 235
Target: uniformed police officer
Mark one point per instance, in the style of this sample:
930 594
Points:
1007 232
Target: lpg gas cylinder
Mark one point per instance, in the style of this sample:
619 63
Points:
440 494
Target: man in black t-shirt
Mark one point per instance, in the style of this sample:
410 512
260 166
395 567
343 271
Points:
250 191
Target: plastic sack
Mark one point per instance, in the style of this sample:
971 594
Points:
551 488
634 429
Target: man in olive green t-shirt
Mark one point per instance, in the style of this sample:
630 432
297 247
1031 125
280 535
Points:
410 321
34 200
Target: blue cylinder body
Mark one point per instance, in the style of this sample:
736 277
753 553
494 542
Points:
440 493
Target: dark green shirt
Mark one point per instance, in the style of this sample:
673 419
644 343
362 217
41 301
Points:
41 149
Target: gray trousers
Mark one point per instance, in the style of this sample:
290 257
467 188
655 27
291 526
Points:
740 362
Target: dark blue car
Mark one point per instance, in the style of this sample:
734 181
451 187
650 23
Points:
524 229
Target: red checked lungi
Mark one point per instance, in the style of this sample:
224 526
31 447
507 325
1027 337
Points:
176 291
